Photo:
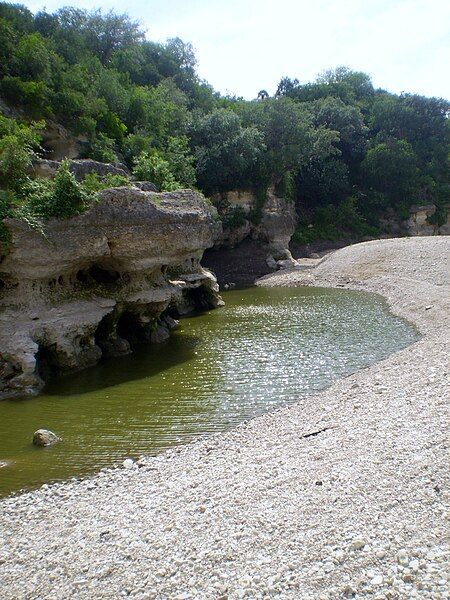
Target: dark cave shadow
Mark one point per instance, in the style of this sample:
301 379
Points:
146 360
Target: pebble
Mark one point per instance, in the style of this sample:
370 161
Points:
222 524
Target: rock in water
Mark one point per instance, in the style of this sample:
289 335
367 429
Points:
44 437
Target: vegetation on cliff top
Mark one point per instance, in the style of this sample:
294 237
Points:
349 152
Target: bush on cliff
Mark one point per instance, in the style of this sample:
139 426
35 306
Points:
93 183
18 145
154 168
61 197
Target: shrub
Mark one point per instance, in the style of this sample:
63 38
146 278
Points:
93 183
255 215
18 146
286 186
181 161
136 143
234 217
102 148
7 200
63 197
34 95
333 223
154 168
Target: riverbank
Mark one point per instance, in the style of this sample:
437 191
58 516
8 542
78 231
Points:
340 495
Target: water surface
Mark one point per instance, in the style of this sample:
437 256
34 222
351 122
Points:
267 347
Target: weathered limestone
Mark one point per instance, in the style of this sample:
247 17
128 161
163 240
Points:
278 225
100 282
274 227
418 222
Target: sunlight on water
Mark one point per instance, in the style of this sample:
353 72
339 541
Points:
264 349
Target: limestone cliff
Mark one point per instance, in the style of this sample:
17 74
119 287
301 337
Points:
271 221
95 284
419 223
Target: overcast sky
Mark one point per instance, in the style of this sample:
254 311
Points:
243 46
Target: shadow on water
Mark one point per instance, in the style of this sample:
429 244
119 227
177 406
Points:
146 361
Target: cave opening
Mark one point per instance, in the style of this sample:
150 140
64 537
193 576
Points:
46 362
130 328
103 276
98 274
199 298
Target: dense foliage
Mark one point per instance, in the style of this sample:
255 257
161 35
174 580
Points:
345 152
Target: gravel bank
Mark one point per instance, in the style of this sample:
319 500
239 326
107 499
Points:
342 496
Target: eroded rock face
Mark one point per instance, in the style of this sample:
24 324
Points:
418 222
98 283
278 225
274 227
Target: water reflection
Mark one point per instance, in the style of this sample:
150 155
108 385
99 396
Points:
264 349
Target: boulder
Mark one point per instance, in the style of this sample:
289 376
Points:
45 437
271 263
145 186
288 263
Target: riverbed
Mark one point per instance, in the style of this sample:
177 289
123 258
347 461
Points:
263 350
339 495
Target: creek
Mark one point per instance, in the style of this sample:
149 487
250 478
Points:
264 349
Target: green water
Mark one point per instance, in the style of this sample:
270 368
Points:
263 350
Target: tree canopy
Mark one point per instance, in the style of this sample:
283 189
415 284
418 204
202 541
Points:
342 144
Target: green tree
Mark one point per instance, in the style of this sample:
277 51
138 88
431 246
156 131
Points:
391 168
19 17
289 136
228 155
32 59
348 121
18 146
7 46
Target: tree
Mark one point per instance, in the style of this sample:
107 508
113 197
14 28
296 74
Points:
180 160
286 86
423 122
32 59
288 133
348 121
391 168
18 146
228 155
7 46
358 84
321 182
18 16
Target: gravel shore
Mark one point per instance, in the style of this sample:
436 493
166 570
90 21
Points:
341 495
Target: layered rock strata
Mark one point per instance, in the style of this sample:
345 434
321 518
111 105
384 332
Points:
96 284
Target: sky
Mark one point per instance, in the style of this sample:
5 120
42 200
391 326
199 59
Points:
243 46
